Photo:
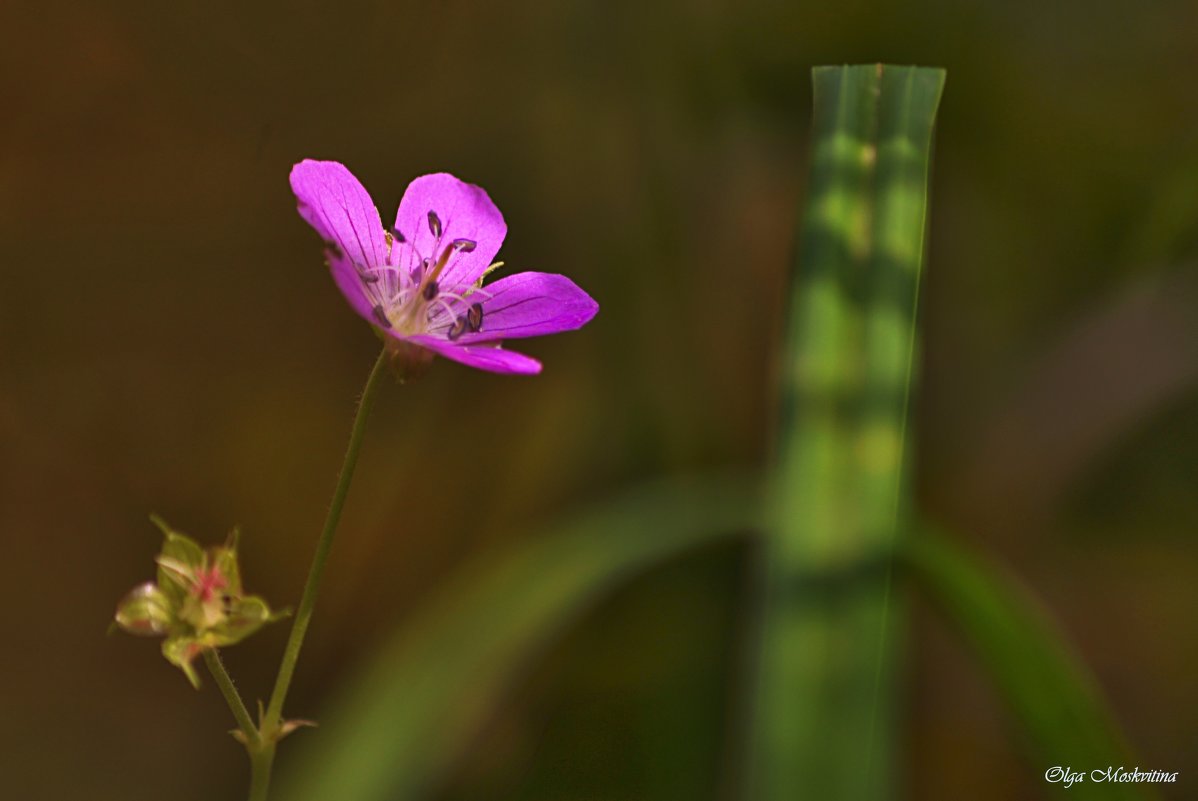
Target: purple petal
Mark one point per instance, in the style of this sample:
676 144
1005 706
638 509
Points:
461 211
485 357
531 305
334 203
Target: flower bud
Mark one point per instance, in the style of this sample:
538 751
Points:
197 602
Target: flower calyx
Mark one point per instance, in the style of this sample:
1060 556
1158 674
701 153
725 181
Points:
196 602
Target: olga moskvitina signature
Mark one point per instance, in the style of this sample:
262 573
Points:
1069 776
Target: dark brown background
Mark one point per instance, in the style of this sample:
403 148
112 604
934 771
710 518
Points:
169 342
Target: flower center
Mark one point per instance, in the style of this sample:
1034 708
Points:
204 606
409 297
208 582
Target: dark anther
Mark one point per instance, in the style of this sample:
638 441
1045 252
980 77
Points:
430 290
464 245
474 317
380 314
457 329
367 278
333 250
434 224
398 236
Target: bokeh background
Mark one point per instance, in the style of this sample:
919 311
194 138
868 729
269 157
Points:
170 342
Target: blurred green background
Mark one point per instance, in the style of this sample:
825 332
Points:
170 342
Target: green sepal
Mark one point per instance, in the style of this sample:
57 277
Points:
245 616
178 560
197 601
179 651
145 611
224 559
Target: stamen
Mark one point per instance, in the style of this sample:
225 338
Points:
457 329
440 265
442 294
334 249
475 290
474 317
368 278
430 290
464 245
478 284
418 271
398 236
441 262
440 307
380 314
434 224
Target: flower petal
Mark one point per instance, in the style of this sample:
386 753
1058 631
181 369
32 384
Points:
336 204
485 357
440 203
531 305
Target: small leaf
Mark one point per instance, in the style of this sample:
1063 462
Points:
288 726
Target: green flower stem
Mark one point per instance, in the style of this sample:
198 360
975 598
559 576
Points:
261 761
236 705
269 731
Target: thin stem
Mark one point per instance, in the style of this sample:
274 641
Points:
260 764
303 615
236 705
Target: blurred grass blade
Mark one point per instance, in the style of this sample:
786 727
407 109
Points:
825 709
1047 687
422 698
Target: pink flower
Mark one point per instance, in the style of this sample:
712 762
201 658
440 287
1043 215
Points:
420 282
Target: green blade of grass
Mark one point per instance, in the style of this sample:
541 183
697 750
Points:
1062 716
824 718
423 696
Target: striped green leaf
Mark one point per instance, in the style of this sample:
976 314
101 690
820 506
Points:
825 711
